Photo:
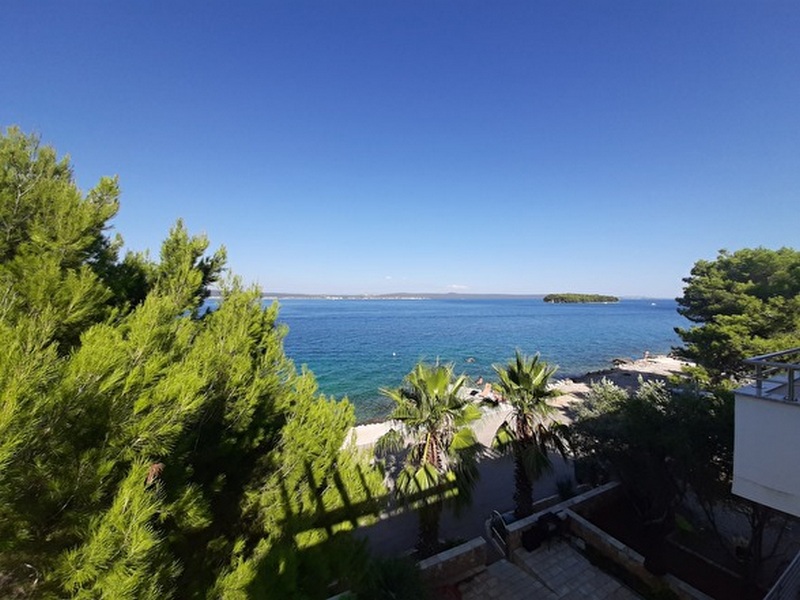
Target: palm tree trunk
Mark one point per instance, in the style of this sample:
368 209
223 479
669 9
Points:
428 539
523 488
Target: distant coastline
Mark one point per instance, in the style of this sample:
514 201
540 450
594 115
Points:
393 296
215 294
404 296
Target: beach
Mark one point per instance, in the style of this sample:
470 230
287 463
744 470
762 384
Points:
625 375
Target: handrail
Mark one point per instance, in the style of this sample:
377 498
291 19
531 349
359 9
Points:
762 357
788 585
764 368
498 536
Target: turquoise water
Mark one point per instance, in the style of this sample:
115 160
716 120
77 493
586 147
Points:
355 347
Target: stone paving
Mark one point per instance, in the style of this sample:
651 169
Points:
554 571
504 581
569 574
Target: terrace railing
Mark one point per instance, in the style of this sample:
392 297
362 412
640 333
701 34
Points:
499 532
777 374
788 586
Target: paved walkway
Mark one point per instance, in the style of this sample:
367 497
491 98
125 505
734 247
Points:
504 581
555 571
569 574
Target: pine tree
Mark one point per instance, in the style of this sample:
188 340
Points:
150 448
741 304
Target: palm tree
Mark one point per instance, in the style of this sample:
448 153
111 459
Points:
529 432
440 461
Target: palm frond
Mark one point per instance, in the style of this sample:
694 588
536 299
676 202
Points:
535 460
463 439
390 442
443 451
469 414
504 437
531 431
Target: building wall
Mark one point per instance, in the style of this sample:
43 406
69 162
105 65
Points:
766 458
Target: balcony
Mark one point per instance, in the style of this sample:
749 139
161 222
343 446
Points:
767 431
775 376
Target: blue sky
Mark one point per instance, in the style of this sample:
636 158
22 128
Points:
374 147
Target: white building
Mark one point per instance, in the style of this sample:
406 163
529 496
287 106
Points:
766 456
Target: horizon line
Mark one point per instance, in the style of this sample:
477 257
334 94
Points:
431 296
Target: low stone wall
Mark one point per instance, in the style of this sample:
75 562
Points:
455 564
573 513
587 503
514 530
627 558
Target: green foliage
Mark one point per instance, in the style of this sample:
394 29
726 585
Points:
744 303
392 579
665 447
52 247
531 432
148 450
441 460
121 545
657 443
578 298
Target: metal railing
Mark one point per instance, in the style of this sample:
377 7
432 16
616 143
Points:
499 532
788 586
778 368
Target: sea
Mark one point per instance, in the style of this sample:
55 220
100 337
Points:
356 347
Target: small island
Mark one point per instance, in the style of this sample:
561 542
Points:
578 298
